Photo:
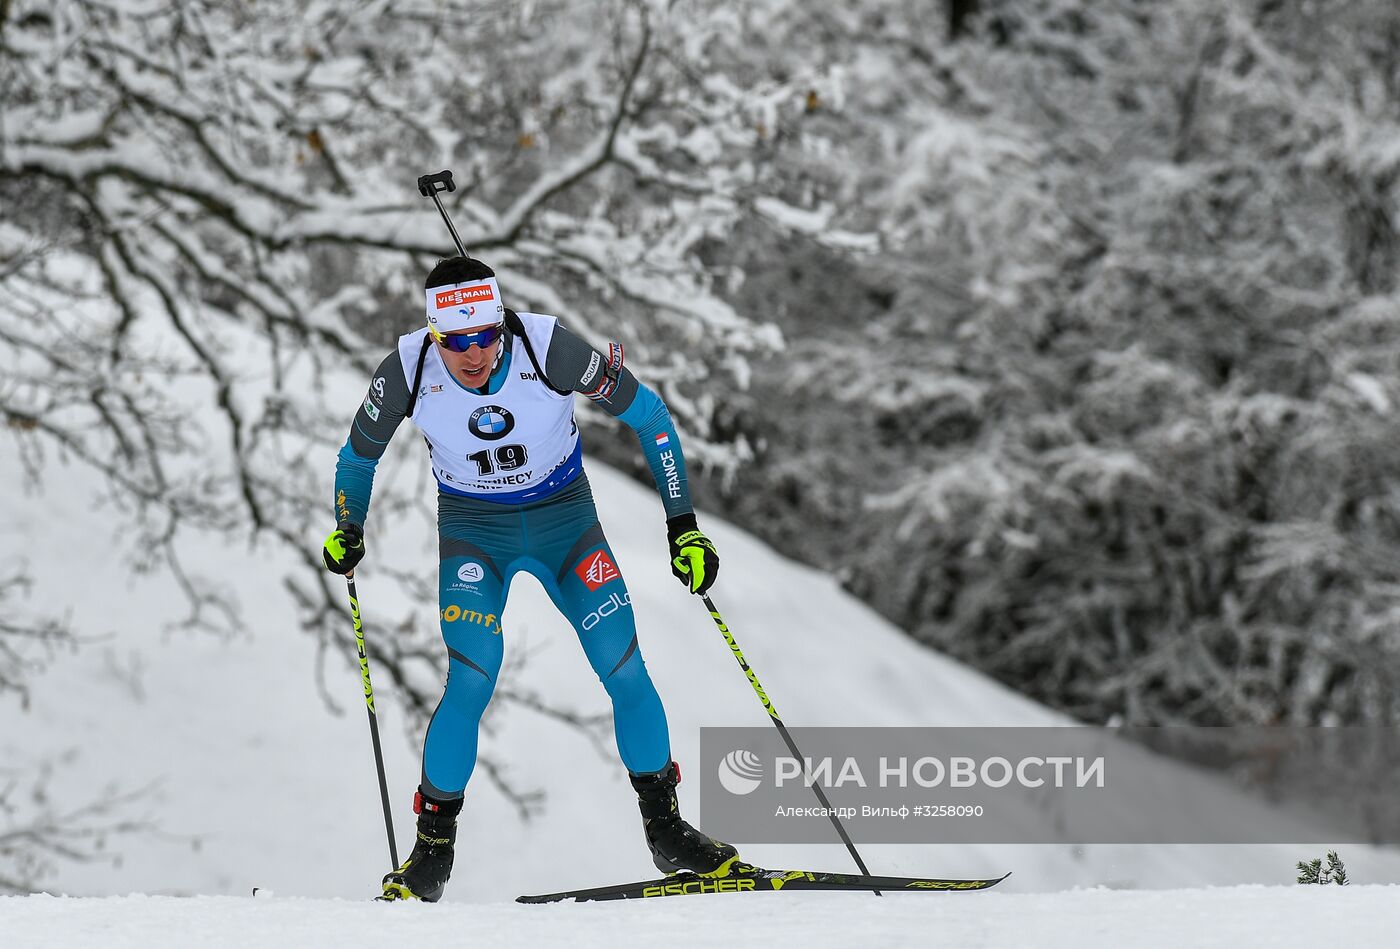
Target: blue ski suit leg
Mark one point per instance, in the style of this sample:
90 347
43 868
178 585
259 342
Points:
483 544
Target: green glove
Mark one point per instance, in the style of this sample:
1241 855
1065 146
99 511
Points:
693 558
344 548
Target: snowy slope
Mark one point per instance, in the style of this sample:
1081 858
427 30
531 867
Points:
1225 917
256 782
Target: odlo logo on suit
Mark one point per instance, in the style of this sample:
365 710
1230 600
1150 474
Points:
610 606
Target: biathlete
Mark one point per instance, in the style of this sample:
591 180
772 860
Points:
493 393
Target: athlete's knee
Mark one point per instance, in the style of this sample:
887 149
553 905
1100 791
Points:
629 683
469 685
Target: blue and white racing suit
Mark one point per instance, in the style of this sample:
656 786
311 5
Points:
512 496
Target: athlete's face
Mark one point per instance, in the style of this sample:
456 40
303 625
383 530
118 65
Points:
472 367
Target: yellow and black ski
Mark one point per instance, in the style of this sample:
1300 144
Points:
749 879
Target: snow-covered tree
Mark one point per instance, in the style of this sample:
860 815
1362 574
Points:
1105 408
211 234
1173 500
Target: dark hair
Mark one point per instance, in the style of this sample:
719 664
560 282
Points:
457 270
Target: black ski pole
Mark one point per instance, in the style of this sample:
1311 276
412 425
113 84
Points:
373 717
782 730
429 186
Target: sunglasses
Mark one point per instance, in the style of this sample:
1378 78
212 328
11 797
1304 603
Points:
461 342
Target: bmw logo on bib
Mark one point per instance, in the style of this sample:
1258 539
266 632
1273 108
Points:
491 422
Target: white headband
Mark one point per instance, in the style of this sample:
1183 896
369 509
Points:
459 306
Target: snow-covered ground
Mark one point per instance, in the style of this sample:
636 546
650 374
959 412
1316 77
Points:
256 782
1226 917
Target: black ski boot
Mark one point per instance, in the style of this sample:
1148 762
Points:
675 845
425 872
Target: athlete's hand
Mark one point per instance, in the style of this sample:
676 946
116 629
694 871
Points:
693 557
344 548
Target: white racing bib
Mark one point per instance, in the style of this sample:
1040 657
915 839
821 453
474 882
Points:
499 446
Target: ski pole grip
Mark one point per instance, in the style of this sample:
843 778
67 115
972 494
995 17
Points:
429 185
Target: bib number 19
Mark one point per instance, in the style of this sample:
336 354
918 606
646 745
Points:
507 458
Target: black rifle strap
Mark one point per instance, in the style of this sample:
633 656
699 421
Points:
418 376
517 328
514 324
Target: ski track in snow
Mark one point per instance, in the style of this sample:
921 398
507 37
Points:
1233 917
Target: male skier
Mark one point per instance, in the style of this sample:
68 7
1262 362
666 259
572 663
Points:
493 393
